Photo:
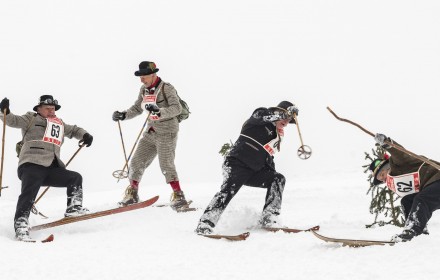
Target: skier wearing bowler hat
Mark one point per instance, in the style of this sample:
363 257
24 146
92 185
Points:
414 180
39 162
250 162
160 101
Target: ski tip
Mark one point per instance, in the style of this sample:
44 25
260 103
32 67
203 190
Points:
154 199
50 238
315 228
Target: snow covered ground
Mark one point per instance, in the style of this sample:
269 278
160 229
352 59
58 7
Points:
160 244
374 62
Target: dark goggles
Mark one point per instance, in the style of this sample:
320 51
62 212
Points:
49 101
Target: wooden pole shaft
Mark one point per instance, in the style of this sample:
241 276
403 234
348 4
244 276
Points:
122 141
3 150
299 132
425 160
135 143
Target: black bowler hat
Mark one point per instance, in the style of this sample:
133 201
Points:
283 107
47 100
146 68
376 166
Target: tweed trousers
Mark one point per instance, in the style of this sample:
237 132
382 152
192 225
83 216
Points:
153 144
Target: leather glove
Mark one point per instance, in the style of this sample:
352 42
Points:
380 139
4 105
118 116
292 110
87 140
152 108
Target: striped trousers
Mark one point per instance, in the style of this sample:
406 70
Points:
151 144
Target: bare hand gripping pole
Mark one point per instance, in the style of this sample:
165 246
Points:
425 160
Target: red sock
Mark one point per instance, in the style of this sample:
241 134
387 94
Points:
134 184
175 186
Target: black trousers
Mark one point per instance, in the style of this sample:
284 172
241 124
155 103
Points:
33 176
418 207
236 174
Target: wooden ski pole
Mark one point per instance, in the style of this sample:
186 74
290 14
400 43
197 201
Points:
425 160
34 209
122 141
304 152
3 151
120 174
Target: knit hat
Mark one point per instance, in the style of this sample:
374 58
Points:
283 105
376 166
146 68
47 100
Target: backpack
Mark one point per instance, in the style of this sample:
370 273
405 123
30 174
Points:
185 108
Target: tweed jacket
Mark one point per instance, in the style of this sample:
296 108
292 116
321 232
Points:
169 105
402 163
35 150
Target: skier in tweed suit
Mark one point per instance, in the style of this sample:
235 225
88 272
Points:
158 99
39 162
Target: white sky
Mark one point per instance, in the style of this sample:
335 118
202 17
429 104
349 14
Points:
374 62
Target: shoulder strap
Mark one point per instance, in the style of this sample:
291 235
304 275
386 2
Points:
163 92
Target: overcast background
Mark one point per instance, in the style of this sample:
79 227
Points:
374 62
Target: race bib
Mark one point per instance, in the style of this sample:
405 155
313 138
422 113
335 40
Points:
150 99
54 131
404 184
273 146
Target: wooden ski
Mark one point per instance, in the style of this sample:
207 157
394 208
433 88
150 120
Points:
70 220
290 230
353 242
238 237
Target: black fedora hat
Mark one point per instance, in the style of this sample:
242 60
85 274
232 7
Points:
47 100
283 107
375 167
146 68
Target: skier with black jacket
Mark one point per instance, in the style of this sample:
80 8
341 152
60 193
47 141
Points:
250 162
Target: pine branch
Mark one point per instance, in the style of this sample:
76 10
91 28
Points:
382 199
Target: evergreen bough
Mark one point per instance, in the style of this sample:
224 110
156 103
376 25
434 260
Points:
384 203
224 150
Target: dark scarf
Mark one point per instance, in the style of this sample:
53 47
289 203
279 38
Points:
151 89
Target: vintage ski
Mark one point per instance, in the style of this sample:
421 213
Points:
69 220
353 242
290 230
186 209
183 209
238 237
50 238
169 204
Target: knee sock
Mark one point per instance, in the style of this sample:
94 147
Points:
134 184
175 186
